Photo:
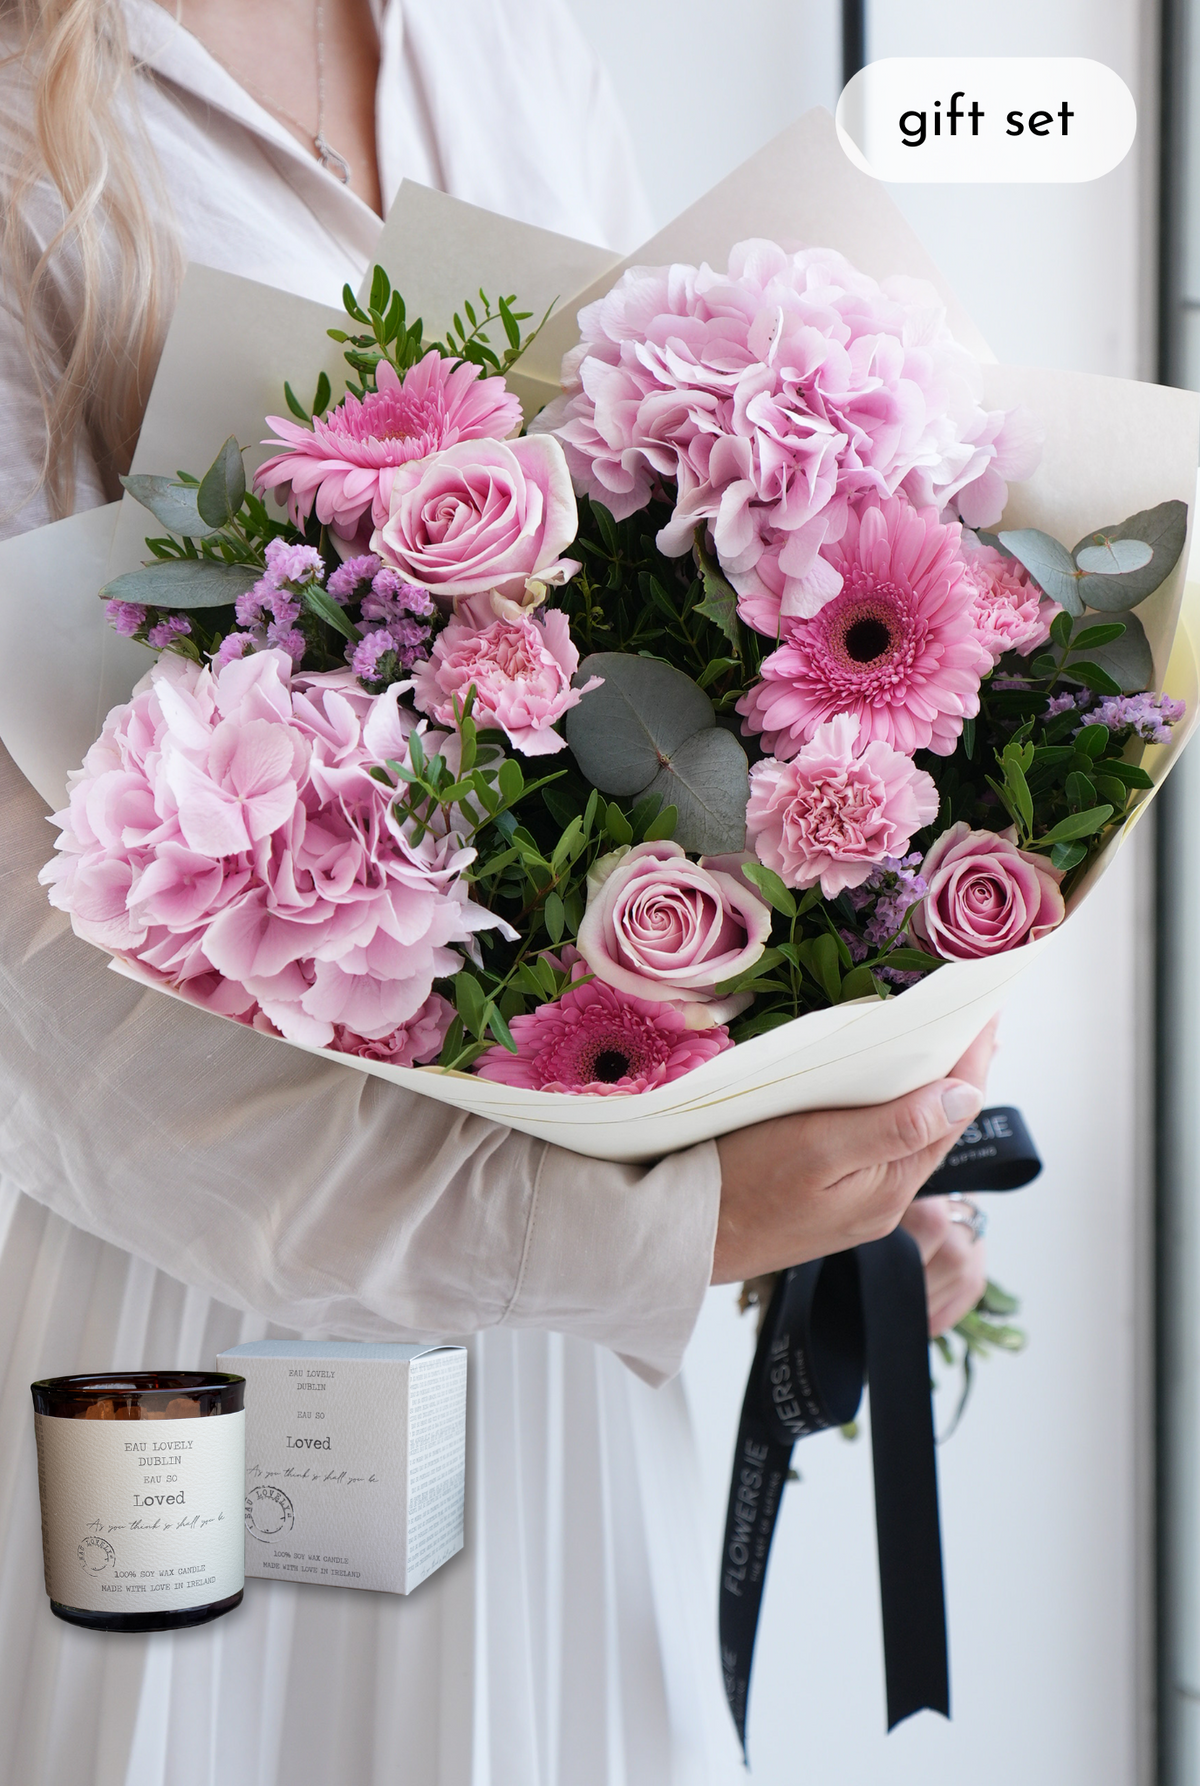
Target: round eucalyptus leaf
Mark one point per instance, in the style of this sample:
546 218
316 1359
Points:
623 732
1163 529
172 504
184 584
1114 557
1048 563
1128 660
707 780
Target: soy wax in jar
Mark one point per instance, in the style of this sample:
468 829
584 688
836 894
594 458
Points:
142 1479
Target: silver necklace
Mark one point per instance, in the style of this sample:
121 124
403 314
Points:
326 154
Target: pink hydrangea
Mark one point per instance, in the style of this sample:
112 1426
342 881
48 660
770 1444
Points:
1011 612
225 833
481 516
597 1039
835 812
984 895
346 461
662 927
769 396
520 670
897 647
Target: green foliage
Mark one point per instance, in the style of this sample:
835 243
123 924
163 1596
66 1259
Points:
649 729
391 336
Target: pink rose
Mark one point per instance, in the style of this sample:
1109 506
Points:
985 895
482 515
834 812
520 670
660 927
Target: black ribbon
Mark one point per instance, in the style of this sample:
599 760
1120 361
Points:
829 1323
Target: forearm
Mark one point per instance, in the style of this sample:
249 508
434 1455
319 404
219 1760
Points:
303 1189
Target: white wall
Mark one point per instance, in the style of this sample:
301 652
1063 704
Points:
1045 1485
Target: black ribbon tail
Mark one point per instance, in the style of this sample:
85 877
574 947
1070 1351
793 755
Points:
760 1470
828 1321
904 1458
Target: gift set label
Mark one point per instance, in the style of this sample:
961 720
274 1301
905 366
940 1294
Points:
355 1460
141 1516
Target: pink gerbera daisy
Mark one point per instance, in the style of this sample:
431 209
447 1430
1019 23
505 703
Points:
897 647
596 1039
346 460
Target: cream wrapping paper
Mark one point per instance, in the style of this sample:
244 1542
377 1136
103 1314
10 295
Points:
1112 447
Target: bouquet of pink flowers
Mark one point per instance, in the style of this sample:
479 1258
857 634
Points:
572 758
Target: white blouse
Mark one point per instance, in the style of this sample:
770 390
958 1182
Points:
317 1197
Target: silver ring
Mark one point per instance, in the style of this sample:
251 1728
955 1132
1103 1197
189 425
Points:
968 1215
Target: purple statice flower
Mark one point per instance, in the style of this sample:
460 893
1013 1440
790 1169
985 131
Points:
391 597
855 944
1149 716
126 617
284 606
233 647
896 975
364 658
249 606
344 581
292 564
162 636
289 639
408 639
1064 703
894 886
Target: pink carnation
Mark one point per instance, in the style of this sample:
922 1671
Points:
345 462
520 670
484 515
599 1040
417 1041
1011 612
770 395
226 833
984 895
659 926
835 812
897 647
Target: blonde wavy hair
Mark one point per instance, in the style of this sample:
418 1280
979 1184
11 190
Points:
115 232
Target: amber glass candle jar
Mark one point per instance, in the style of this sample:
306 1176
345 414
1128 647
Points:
143 1480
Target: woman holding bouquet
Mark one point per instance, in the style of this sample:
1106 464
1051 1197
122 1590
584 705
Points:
172 1185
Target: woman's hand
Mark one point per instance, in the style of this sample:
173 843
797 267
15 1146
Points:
955 1262
799 1187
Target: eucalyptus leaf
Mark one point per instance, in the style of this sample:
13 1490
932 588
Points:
223 486
1115 558
1163 529
648 729
1127 659
185 584
707 780
1048 563
624 731
172 504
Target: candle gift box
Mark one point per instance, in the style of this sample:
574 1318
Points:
355 1460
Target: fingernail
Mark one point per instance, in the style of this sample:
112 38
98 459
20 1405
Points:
960 1100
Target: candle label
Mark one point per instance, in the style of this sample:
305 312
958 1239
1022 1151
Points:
142 1515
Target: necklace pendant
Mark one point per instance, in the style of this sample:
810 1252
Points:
330 159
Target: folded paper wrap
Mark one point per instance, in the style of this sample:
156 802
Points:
1112 447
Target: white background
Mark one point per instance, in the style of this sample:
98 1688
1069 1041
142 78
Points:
1045 1487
